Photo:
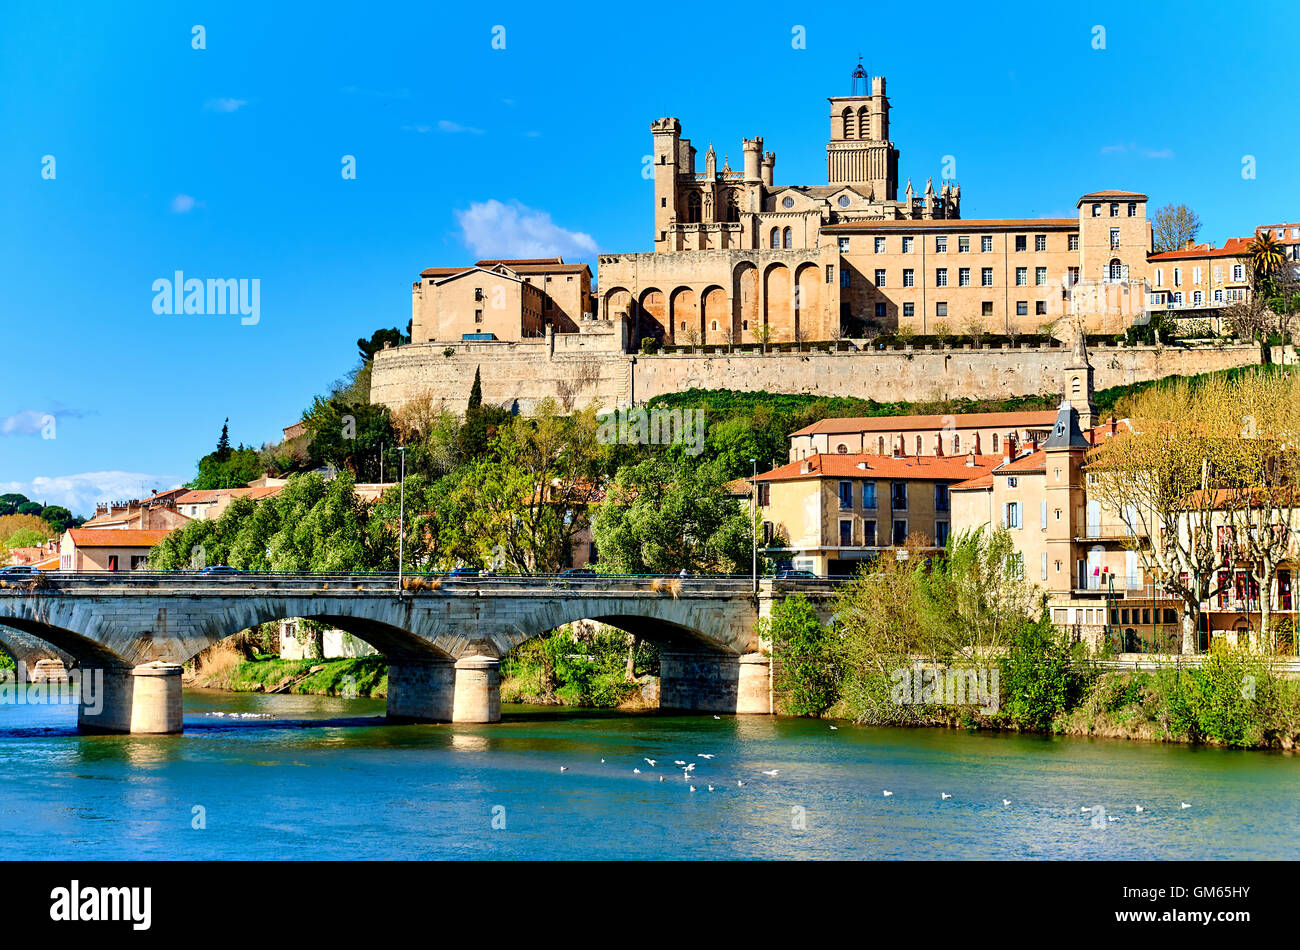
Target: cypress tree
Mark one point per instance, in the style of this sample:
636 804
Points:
476 393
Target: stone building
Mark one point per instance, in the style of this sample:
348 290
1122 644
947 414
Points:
1199 281
499 300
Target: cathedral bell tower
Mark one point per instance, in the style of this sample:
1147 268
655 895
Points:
859 152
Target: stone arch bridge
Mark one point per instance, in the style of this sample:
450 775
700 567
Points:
443 638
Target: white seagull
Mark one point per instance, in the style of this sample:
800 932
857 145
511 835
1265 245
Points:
564 768
710 788
1185 805
944 796
835 728
771 771
1112 818
1140 809
717 717
1006 803
887 793
678 762
739 783
704 755
636 771
692 788
661 778
652 762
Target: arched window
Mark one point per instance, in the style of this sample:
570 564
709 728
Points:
776 238
956 444
918 445
787 237
1116 269
714 325
1074 386
847 116
733 207
864 129
995 443
693 208
880 446
842 449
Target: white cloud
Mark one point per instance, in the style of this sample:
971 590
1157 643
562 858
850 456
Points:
78 493
34 421
225 104
446 125
417 128
183 203
1122 148
493 229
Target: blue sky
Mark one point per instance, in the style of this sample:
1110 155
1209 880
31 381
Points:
225 162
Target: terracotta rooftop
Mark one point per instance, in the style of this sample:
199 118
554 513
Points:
1110 194
1043 418
115 537
211 496
865 465
1233 247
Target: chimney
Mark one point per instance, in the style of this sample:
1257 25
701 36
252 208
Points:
970 461
805 467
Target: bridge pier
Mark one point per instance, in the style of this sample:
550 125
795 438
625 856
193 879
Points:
434 690
145 700
714 682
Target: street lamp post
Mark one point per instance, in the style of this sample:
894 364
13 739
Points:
753 518
401 520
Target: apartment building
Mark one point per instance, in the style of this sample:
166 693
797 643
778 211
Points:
980 433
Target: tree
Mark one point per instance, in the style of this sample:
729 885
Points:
11 525
223 443
27 538
350 437
804 657
1173 226
670 513
59 518
9 503
379 339
476 391
1160 479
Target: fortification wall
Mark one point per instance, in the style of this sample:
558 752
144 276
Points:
577 370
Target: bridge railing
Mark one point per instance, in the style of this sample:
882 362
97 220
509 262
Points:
388 580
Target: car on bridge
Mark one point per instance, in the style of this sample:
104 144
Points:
19 570
577 573
796 576
215 569
463 572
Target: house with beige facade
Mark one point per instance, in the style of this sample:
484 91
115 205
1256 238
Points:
107 549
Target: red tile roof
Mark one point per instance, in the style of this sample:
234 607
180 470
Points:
211 496
1029 462
980 481
1044 418
1233 247
1110 194
115 537
866 465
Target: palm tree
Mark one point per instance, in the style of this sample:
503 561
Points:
1266 256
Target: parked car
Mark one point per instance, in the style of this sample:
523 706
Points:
464 572
213 569
19 570
578 572
796 576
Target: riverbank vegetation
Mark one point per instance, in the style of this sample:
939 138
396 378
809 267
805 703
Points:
963 640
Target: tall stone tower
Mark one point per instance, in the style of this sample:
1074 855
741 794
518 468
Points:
859 152
1078 382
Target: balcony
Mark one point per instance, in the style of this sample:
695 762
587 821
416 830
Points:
1159 302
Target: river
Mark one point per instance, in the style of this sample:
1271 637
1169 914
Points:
325 777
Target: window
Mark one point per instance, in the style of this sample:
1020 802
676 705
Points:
1218 296
830 273
787 237
776 238
900 532
986 243
941 308
1040 242
880 277
1073 276
1073 242
869 495
909 278
1040 275
1238 271
995 442
1116 269
1218 274
880 245
1198 297
909 309
941 277
1040 307
963 244
986 276
907 245
869 534
846 496
1011 517
941 244
1022 242
1178 276
941 534
1114 209
881 311
846 534
1022 276
1042 515
940 497
1160 276
1096 211
898 496
918 445
1044 565
844 277
112 562
986 308
478 316
1114 239
963 277
880 447
843 201
956 445
844 245
1132 209
1013 481
787 202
